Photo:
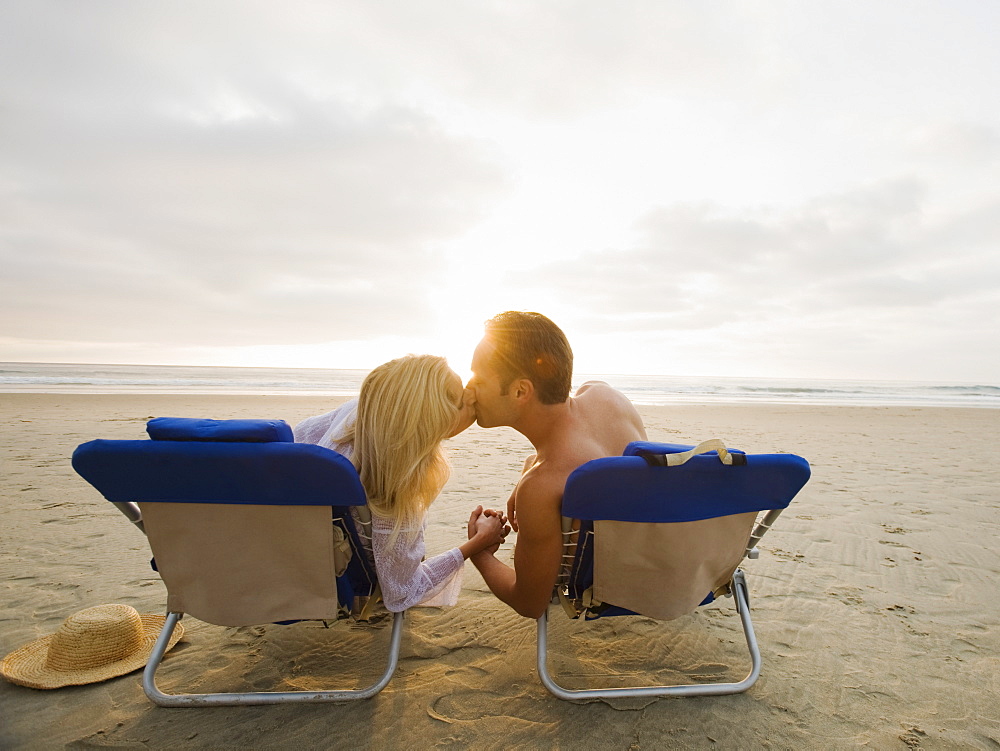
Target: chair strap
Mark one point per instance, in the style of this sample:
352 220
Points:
723 590
675 460
370 603
568 605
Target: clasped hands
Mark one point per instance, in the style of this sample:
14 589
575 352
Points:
490 526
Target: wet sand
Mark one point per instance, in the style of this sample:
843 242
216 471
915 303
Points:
874 601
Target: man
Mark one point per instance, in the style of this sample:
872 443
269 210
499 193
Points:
522 371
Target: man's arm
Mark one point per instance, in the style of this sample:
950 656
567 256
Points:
511 505
537 555
487 532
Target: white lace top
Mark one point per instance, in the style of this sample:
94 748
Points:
406 579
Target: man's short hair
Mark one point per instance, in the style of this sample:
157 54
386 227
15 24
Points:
529 345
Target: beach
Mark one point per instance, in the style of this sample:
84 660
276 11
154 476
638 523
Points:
874 602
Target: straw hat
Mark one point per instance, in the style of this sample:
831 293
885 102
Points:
93 645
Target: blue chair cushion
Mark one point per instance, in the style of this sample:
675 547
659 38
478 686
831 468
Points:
637 447
627 488
199 429
274 473
646 448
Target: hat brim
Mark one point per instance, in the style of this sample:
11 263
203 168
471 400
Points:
26 666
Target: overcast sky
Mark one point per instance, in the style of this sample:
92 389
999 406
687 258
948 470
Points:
778 189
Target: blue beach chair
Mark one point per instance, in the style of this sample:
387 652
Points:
662 530
246 528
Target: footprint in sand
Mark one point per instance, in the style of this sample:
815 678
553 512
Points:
894 530
784 554
913 737
471 706
891 542
847 595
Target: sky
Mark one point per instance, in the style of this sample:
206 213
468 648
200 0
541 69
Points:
780 189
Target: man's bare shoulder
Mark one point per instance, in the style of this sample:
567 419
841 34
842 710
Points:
544 482
538 499
607 422
605 398
596 386
601 391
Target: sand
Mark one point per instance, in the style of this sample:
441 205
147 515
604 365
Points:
874 600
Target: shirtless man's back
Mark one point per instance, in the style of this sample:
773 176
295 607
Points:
566 431
600 422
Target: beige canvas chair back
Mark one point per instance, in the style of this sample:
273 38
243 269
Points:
665 570
242 564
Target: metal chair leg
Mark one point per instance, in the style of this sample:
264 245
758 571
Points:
260 697
741 596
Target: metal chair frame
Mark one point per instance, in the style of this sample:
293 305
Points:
741 597
598 480
98 474
249 698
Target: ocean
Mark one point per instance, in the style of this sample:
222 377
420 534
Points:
60 378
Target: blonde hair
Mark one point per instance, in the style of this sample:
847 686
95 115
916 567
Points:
406 408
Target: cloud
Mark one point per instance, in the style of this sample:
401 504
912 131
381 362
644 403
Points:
551 59
968 143
845 262
525 56
238 173
146 200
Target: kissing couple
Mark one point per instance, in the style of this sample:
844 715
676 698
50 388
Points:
392 433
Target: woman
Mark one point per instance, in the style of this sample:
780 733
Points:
392 433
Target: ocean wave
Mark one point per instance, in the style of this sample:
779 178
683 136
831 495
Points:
642 389
962 389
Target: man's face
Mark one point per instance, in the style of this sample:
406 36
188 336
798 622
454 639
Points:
492 408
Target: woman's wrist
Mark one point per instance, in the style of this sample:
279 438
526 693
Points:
479 544
472 546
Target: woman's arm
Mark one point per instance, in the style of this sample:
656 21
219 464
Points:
406 579
487 529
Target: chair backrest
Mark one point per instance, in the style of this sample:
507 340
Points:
663 538
242 532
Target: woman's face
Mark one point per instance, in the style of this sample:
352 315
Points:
464 399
